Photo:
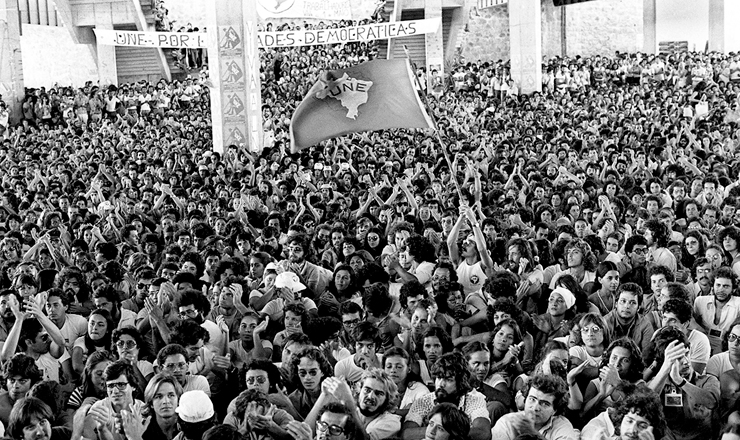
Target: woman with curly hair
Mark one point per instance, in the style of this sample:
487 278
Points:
621 362
130 346
311 367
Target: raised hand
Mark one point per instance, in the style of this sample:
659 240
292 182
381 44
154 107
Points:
262 326
133 421
573 374
299 430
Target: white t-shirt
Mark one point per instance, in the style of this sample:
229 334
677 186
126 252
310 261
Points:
580 352
719 364
196 382
74 327
128 319
700 348
50 366
423 272
471 277
413 392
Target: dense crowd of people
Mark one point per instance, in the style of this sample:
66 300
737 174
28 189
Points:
572 273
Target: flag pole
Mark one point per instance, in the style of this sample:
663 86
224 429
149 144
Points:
434 124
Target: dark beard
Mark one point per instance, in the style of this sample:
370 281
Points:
443 396
367 413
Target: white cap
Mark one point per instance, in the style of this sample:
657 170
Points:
195 406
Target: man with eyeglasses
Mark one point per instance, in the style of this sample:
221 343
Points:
335 421
547 399
104 414
352 314
371 406
635 249
624 321
716 313
701 273
173 359
145 277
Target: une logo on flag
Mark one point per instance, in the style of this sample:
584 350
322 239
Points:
350 92
277 6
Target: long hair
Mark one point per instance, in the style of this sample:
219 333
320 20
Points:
105 341
589 259
596 319
435 332
93 359
273 374
454 366
315 354
636 366
391 390
455 421
23 412
644 402
154 384
688 260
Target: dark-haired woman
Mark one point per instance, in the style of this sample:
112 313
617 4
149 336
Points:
396 363
98 338
621 362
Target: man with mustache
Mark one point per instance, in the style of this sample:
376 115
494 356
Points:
370 406
452 381
624 320
702 273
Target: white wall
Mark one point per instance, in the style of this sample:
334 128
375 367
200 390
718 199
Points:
683 20
50 56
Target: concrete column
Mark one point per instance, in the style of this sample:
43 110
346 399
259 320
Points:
11 71
717 25
525 42
434 42
724 33
233 65
649 33
106 55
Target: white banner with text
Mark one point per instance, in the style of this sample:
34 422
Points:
303 37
